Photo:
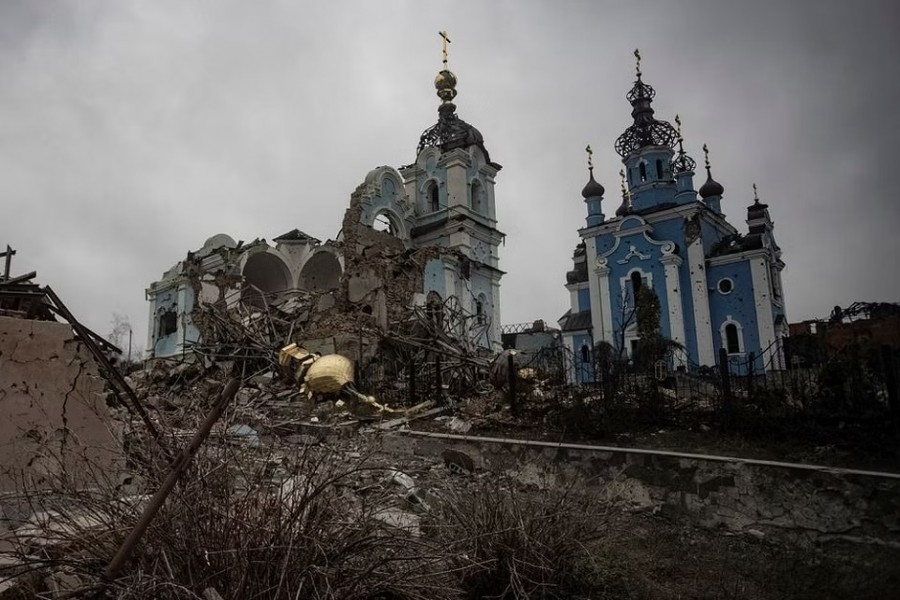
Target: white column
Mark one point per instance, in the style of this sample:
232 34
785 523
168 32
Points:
673 299
700 297
765 321
151 328
601 272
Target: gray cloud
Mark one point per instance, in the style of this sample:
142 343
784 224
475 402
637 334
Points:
131 131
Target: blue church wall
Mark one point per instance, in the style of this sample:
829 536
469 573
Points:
584 299
687 308
433 277
739 304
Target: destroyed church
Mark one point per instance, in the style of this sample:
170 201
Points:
424 235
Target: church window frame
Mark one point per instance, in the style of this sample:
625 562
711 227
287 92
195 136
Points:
477 197
732 334
433 197
626 283
659 168
725 286
642 171
480 303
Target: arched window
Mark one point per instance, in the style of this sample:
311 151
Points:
383 223
659 169
643 171
434 198
732 339
480 317
585 353
636 282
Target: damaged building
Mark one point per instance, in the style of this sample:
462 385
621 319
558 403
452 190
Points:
424 234
719 289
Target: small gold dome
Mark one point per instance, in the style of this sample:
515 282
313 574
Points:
445 84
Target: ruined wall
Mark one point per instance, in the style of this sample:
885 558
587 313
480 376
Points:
747 496
53 412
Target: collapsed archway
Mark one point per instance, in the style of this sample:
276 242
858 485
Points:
322 272
265 275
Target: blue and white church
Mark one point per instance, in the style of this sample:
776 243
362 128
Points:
718 287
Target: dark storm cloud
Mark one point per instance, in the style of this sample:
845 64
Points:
131 131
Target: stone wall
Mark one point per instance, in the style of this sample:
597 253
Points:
53 413
759 497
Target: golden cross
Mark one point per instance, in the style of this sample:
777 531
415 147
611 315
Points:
446 40
678 129
590 154
706 155
637 55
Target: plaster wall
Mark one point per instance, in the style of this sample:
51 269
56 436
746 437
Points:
53 407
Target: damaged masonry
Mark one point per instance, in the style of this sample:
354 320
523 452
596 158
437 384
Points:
423 237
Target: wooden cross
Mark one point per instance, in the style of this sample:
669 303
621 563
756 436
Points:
590 154
8 254
445 41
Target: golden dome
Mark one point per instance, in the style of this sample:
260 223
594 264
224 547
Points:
445 84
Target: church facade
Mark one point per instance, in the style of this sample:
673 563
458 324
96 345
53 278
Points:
718 287
439 212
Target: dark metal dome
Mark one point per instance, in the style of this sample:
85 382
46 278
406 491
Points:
711 187
451 132
645 131
593 188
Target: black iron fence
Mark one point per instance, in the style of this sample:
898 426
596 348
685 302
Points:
857 383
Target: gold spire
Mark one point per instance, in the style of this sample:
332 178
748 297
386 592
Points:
706 156
445 82
637 56
590 154
446 40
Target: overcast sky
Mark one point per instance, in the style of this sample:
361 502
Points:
130 131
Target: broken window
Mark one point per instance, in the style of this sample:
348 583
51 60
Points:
480 317
434 309
732 339
383 223
636 282
168 323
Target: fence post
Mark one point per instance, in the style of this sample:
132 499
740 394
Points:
892 383
750 373
726 386
512 377
411 377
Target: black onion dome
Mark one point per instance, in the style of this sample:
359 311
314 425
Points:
646 130
593 188
451 132
711 187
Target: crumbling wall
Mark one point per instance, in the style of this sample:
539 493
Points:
749 496
53 407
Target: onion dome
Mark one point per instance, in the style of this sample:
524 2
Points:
711 187
646 130
683 163
450 131
593 188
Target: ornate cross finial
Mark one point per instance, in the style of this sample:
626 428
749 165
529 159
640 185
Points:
706 156
445 41
755 195
637 56
678 128
590 154
626 194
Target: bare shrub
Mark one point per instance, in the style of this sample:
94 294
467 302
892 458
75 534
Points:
508 543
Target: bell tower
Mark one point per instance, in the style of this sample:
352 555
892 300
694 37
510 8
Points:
452 182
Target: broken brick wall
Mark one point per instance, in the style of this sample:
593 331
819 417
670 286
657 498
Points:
53 407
